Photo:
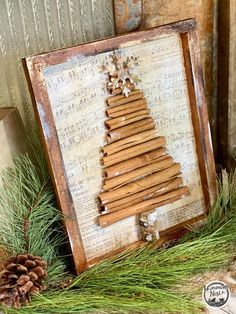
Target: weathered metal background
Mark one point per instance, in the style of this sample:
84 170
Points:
128 15
32 26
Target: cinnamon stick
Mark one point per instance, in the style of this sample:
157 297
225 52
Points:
140 184
128 142
130 129
162 163
121 96
134 151
133 163
121 99
129 107
142 196
118 122
169 197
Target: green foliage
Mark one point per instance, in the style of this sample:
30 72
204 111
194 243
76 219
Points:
222 216
142 281
80 302
146 280
29 219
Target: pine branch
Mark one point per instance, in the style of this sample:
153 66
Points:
146 280
222 216
29 219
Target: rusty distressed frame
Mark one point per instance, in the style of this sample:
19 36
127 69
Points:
33 67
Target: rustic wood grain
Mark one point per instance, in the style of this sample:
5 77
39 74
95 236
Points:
158 12
223 83
232 86
54 159
226 84
199 114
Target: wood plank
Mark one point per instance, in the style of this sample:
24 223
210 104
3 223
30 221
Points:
223 84
226 119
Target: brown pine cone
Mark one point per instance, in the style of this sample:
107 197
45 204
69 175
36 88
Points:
21 277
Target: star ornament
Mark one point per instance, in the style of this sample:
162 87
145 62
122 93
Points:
122 77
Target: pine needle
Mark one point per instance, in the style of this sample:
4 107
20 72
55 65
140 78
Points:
146 280
29 219
222 216
142 281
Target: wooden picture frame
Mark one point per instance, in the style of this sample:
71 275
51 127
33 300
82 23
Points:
38 70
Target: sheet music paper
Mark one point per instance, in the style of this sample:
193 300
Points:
78 98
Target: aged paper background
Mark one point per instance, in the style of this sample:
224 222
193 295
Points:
77 94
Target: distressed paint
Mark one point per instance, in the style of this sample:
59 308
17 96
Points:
128 15
47 132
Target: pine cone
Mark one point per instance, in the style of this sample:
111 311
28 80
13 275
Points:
21 276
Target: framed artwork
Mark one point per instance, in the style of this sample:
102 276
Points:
125 129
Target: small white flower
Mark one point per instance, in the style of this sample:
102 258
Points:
126 91
149 238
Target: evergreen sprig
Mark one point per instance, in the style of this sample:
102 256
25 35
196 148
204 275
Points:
142 281
29 219
146 280
222 216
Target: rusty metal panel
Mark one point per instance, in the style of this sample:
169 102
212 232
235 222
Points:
128 15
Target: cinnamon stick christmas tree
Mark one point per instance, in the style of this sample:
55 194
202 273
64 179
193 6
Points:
139 175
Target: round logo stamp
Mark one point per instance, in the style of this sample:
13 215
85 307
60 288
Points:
216 294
